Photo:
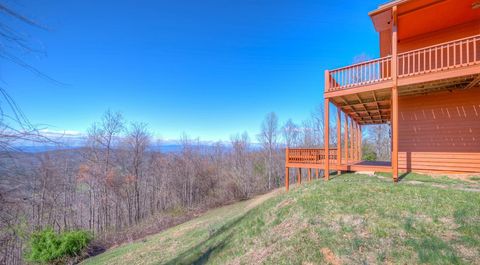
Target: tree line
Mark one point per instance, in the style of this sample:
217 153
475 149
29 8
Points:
117 181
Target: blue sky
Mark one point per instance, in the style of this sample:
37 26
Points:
207 68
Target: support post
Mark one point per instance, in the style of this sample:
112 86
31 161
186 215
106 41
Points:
287 178
354 156
309 172
299 176
351 140
316 173
339 140
345 140
287 171
327 136
394 96
360 140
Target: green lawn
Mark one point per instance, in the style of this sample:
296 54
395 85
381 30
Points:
351 219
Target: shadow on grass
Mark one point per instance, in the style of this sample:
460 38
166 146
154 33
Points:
94 249
197 254
205 256
402 176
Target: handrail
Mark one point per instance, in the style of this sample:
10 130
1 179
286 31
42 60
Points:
357 64
452 54
360 74
310 155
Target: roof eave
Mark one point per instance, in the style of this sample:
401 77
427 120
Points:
386 6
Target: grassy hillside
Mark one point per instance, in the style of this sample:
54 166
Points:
352 219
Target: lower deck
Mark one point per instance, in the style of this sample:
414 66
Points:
376 166
315 158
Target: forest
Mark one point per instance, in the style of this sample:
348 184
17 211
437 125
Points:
119 189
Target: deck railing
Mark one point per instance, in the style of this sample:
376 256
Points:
310 155
453 54
364 73
448 55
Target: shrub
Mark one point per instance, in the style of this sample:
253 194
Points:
48 246
369 156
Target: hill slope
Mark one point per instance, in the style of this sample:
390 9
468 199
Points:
351 219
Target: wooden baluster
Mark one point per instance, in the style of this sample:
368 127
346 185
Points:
461 52
424 61
448 56
454 54
408 65
468 51
475 49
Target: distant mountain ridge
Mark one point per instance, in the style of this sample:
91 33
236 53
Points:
164 148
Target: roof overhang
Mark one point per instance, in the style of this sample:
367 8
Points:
419 17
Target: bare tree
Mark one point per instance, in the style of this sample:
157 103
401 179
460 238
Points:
317 125
241 164
291 133
137 142
268 138
14 128
102 138
379 136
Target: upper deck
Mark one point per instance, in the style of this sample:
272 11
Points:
448 63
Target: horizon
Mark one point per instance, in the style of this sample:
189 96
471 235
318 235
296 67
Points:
210 69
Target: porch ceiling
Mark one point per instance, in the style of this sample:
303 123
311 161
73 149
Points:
370 107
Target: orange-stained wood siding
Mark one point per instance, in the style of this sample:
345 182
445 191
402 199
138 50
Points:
446 35
449 34
385 43
440 132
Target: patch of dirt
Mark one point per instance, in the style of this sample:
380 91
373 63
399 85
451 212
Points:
357 223
330 257
258 252
284 203
413 182
441 186
464 177
256 255
467 189
287 228
469 253
259 255
353 220
449 223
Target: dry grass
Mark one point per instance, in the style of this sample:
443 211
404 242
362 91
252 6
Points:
352 219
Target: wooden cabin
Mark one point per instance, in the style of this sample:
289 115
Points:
426 86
